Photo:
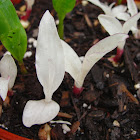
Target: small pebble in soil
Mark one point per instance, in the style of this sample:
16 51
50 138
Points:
116 123
65 128
31 40
28 54
85 105
137 86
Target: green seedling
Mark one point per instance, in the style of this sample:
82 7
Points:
12 34
62 7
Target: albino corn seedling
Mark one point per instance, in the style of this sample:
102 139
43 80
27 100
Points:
113 26
50 73
132 9
117 11
8 71
79 70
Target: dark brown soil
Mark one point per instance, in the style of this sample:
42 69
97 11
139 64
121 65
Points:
108 95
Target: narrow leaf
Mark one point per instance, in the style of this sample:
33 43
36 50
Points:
97 51
49 56
131 22
104 7
72 61
132 7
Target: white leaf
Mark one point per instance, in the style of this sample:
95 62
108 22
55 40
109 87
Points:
119 9
132 7
39 112
111 24
130 23
104 7
8 68
122 16
97 51
3 87
49 56
72 61
120 12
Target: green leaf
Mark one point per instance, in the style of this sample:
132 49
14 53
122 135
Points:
62 7
12 33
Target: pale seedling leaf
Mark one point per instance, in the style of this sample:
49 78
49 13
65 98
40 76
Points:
8 68
3 87
132 8
97 51
131 22
111 24
39 112
72 61
49 56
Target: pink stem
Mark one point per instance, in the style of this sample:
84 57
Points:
77 91
118 56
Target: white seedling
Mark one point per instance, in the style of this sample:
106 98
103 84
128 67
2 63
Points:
79 70
50 72
8 71
113 26
132 9
117 11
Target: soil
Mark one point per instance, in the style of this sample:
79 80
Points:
108 108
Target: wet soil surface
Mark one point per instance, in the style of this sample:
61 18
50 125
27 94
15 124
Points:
108 108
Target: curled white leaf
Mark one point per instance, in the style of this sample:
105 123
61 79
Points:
49 56
3 87
39 112
8 68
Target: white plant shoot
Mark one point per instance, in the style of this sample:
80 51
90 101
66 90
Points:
113 26
50 70
132 9
79 70
117 11
8 71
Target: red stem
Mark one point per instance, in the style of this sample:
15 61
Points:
77 91
117 58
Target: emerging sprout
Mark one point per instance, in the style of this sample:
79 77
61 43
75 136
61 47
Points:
50 72
8 71
117 11
79 70
113 26
132 9
62 7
